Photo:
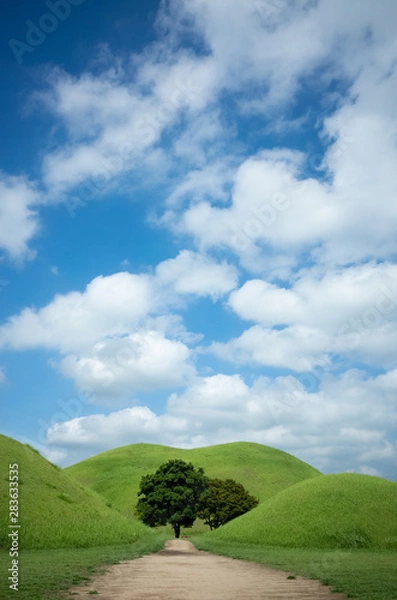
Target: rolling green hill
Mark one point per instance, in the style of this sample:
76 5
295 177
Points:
54 509
262 470
336 511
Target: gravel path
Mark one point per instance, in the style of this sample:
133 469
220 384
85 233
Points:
180 572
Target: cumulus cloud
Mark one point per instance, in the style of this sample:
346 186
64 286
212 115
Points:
114 368
116 304
298 348
350 312
260 200
112 342
77 320
276 211
324 301
277 215
127 426
120 335
194 273
111 346
19 221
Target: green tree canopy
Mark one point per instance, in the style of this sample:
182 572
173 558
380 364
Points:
224 500
171 495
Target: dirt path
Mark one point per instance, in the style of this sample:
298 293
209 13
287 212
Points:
180 572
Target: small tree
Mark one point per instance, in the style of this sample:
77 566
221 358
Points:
223 501
171 495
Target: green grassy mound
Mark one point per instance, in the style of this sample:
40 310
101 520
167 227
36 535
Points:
263 471
55 511
332 511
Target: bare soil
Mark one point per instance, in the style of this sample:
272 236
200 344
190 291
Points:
180 572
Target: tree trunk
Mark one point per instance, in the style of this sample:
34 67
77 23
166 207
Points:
177 530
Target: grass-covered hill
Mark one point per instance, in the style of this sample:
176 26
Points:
262 470
336 511
54 509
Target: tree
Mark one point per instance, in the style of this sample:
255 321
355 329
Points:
223 501
171 495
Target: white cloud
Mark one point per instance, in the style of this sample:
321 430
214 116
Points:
111 341
74 322
364 470
324 300
350 311
2 375
362 161
18 219
278 216
118 367
208 182
194 273
274 208
129 426
70 167
118 336
117 304
298 347
275 44
262 188
263 302
201 143
331 429
113 121
113 118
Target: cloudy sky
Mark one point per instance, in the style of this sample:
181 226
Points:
198 227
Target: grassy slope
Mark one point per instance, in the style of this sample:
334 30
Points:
264 471
55 510
340 511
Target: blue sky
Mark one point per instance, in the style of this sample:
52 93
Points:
198 227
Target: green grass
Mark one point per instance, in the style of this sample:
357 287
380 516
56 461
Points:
263 471
56 511
334 511
360 574
50 573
